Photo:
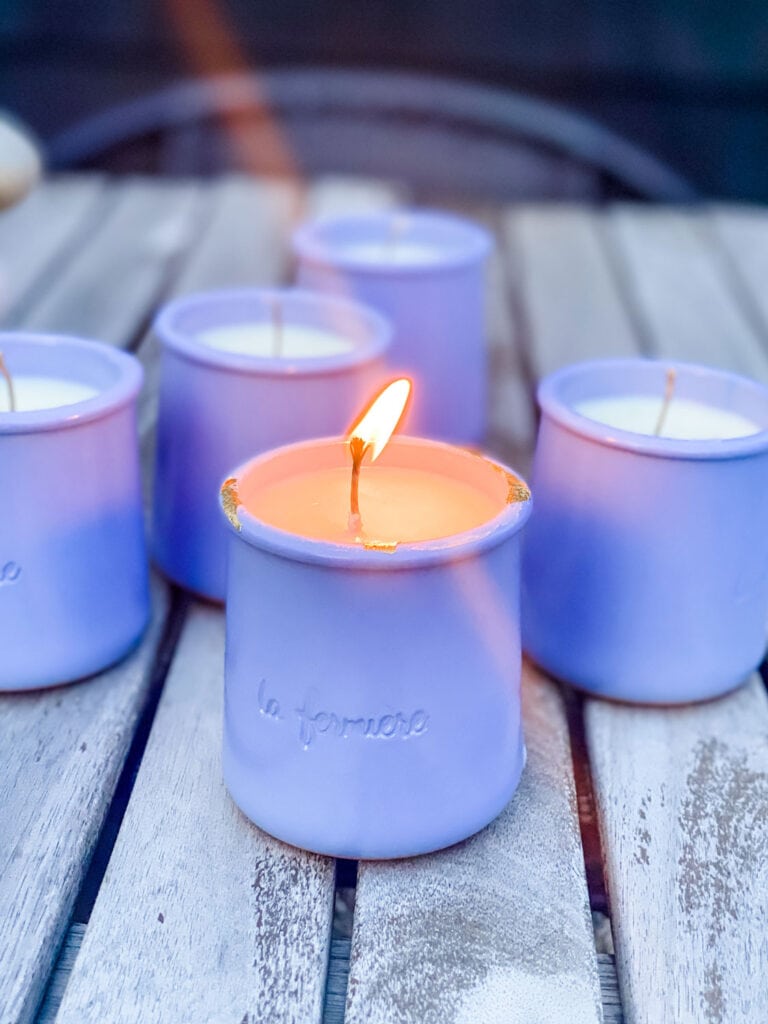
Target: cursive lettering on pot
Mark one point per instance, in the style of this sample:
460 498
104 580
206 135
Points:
9 573
269 707
397 725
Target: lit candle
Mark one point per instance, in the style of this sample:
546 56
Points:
241 372
425 271
73 565
373 639
646 565
393 504
395 254
293 342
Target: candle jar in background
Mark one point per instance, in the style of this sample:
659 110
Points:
645 570
372 696
425 272
73 569
219 406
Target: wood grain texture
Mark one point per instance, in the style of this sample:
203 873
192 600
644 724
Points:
684 801
559 267
678 291
61 752
201 918
680 792
495 929
241 241
38 235
112 279
742 232
511 413
335 194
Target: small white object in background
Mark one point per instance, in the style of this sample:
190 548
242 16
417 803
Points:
20 162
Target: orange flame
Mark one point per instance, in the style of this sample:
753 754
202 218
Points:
380 420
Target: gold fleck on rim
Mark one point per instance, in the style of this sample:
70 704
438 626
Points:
380 545
230 501
517 491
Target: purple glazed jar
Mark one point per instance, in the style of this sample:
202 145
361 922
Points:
218 407
425 271
73 570
645 573
372 697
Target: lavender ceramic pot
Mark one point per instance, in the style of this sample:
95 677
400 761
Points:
425 272
646 563
73 569
372 698
219 407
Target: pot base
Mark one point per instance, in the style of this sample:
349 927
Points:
405 838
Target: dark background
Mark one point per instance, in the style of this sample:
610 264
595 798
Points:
688 79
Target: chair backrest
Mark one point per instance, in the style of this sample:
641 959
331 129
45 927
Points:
432 132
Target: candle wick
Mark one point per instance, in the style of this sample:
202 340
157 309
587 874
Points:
357 448
669 391
6 374
277 327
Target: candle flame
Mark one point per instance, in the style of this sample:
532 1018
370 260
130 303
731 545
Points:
380 420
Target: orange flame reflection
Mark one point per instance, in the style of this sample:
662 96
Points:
380 420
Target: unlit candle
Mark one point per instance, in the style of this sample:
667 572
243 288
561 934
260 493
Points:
33 393
686 419
295 341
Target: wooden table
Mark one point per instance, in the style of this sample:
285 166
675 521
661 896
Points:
132 890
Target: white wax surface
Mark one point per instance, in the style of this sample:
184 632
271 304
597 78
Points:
260 339
392 252
43 393
686 419
397 505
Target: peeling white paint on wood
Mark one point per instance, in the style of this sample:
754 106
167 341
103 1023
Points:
113 274
742 232
61 752
495 929
680 294
567 288
43 229
683 802
202 918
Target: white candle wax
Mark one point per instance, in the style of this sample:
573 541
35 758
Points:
685 420
393 252
33 393
289 341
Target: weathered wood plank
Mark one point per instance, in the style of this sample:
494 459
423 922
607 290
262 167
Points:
559 268
201 916
511 414
113 278
40 232
742 231
495 929
684 941
337 193
678 291
243 241
61 752
684 801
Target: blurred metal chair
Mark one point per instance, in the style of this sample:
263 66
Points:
441 134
